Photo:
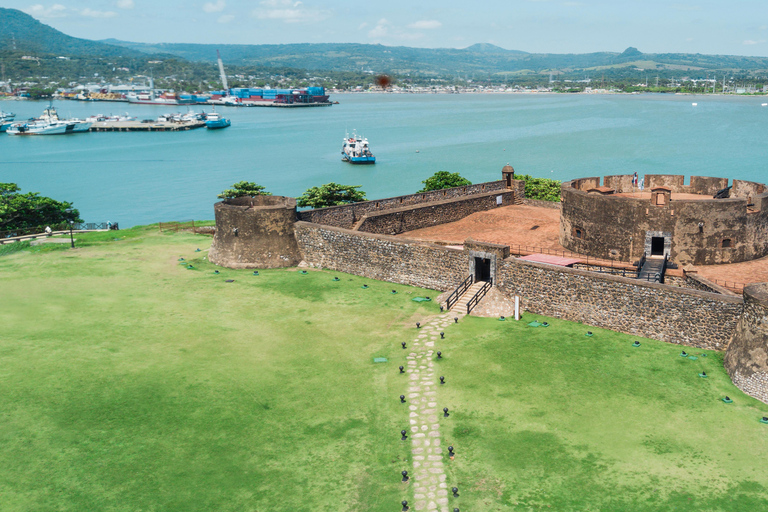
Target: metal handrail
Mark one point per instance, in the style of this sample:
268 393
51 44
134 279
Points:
479 295
603 262
459 291
642 261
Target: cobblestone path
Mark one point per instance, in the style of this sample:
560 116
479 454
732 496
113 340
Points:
430 489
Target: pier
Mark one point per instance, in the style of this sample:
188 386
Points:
143 126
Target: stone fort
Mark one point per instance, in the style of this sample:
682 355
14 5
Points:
621 241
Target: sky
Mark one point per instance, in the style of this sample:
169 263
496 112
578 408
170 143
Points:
735 27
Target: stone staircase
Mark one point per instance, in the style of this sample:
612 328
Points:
461 304
653 270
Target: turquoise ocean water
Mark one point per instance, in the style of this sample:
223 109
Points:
141 178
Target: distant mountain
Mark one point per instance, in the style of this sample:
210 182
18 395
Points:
491 48
479 58
21 33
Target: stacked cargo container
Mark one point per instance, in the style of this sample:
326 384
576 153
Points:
246 95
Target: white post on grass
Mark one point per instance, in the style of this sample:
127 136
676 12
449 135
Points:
517 307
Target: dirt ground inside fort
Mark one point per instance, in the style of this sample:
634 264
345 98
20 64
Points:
509 225
536 228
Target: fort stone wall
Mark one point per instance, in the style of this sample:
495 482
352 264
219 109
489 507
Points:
255 232
747 357
346 216
675 315
382 257
399 220
703 231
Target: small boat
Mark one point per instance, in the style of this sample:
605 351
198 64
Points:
214 121
101 118
6 120
356 151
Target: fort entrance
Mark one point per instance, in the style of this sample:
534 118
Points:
482 269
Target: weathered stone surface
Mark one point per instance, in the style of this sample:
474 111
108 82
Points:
667 313
382 257
255 232
409 218
346 216
747 357
608 226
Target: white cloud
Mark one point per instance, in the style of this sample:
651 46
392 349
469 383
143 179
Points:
750 42
226 18
380 30
40 11
90 13
125 4
425 24
217 6
289 11
362 26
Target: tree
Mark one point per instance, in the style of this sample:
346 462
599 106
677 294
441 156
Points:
444 179
543 189
31 210
331 194
244 189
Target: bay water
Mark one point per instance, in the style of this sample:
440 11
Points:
141 178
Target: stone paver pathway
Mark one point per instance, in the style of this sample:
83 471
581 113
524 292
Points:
430 489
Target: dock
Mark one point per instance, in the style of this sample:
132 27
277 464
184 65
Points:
141 126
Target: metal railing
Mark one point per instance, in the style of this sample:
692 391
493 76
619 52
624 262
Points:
614 271
177 225
62 226
459 291
731 285
641 262
479 295
522 250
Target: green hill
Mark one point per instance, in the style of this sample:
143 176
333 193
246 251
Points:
21 33
478 58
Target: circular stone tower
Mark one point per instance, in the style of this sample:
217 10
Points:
746 359
255 232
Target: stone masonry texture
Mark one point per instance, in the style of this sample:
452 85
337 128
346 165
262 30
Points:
667 313
747 357
382 257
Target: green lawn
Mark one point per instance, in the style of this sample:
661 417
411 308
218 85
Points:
131 383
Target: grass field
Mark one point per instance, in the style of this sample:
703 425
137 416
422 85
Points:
131 383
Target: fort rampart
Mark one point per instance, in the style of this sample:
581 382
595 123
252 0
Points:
676 315
747 358
382 257
255 232
698 230
346 216
264 232
399 220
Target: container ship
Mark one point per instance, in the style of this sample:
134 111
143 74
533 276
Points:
245 97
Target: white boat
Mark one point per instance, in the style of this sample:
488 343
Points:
356 151
48 124
6 120
101 118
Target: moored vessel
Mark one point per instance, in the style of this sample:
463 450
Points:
6 119
356 151
214 121
48 124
